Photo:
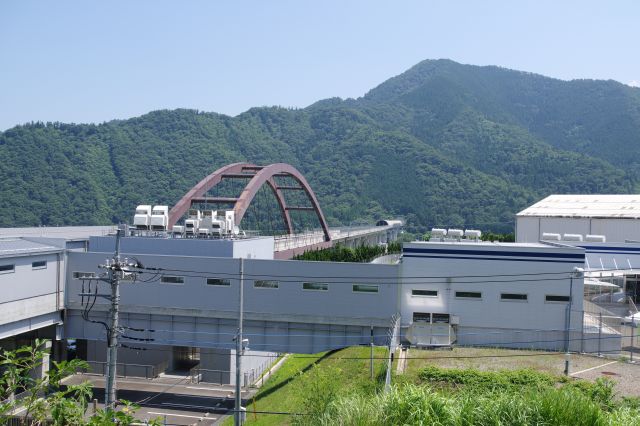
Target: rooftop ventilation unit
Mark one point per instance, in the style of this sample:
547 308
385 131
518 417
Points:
595 238
572 237
438 233
548 236
455 233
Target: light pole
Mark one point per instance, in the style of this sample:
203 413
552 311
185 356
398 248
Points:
577 273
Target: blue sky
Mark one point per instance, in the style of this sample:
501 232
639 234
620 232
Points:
81 61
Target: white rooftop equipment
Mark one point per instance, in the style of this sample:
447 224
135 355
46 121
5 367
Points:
595 238
455 233
159 218
438 234
572 237
142 217
550 236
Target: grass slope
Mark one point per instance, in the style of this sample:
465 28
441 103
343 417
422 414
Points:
287 390
336 390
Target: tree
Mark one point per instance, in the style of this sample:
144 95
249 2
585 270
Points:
42 399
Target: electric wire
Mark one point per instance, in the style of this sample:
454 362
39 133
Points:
248 274
354 280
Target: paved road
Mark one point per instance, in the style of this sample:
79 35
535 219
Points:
181 403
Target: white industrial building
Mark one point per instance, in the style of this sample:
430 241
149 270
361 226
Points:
493 294
607 227
454 291
614 217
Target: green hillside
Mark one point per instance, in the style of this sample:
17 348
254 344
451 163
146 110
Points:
443 144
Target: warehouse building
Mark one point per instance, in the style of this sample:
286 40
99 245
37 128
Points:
612 218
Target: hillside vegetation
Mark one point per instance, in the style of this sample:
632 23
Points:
442 144
335 389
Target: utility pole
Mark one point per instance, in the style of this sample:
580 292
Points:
371 353
115 268
577 272
239 349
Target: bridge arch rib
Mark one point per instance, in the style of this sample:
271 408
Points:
258 176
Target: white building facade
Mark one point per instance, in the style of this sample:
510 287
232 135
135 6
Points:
616 217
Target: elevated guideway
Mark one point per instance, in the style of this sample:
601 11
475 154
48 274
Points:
283 181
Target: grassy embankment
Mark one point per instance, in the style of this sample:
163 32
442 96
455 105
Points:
338 391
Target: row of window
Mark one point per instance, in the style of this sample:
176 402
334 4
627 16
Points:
522 297
271 284
357 288
10 268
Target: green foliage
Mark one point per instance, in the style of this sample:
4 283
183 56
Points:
420 405
305 383
470 397
339 253
443 144
43 399
485 380
490 236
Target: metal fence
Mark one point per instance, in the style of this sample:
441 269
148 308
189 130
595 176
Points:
249 377
128 370
394 342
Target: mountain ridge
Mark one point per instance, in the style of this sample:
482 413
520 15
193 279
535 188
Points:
442 144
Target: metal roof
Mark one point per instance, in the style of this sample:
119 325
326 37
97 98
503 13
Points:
10 247
64 232
615 206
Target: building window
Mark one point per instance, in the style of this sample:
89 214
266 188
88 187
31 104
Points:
172 279
365 288
315 286
468 295
39 264
84 275
265 284
219 282
554 298
424 293
511 297
7 269
440 318
421 317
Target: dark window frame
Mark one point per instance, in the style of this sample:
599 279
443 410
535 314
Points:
172 279
39 264
514 297
360 288
468 295
307 286
8 268
219 282
563 298
424 290
266 284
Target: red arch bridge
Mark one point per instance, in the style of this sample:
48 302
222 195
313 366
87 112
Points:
273 176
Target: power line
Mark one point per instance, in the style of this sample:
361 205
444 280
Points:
357 279
491 345
362 276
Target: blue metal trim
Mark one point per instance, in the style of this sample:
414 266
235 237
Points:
496 253
497 258
610 248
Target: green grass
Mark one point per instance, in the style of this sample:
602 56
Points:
494 359
456 397
337 390
320 375
415 405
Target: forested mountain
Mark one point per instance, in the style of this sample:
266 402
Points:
442 144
